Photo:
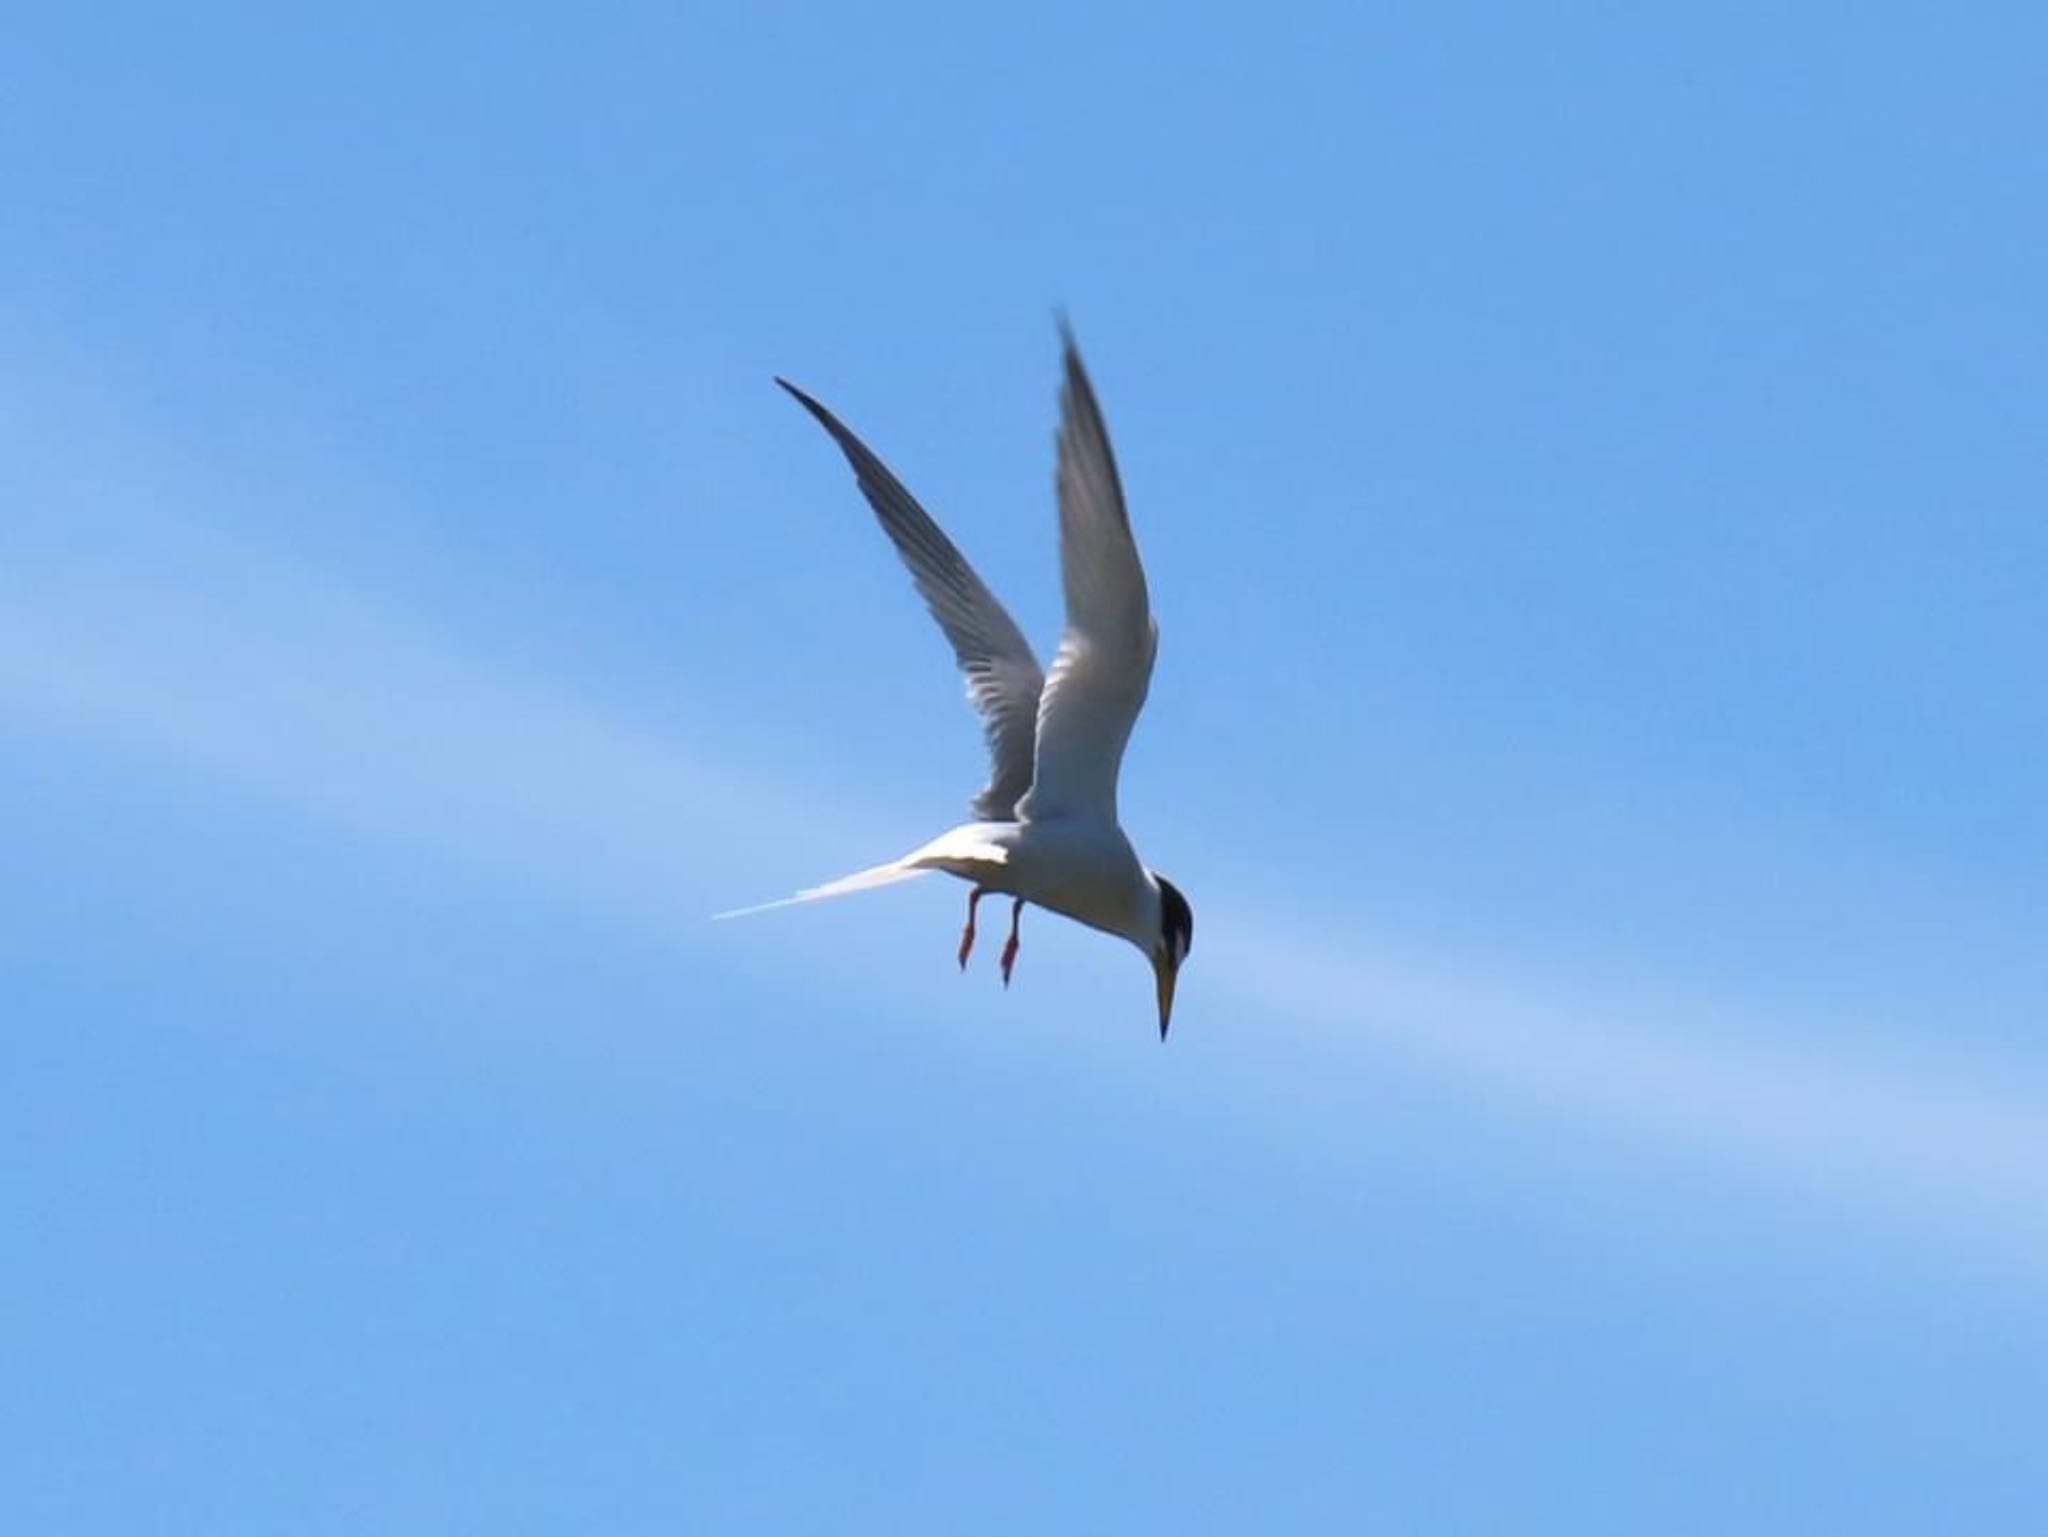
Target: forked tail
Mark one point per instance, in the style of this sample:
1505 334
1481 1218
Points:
845 886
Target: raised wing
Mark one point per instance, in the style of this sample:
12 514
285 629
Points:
1104 667
1003 677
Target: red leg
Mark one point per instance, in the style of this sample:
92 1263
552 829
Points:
967 934
1010 949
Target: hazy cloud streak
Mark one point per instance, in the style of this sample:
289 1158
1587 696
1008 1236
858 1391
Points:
379 728
374 726
1907 1139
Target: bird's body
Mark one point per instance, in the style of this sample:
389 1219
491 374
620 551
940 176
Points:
1082 870
1046 828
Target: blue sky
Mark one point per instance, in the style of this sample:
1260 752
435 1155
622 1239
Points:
1590 470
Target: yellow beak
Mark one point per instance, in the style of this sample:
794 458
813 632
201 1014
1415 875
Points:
1166 972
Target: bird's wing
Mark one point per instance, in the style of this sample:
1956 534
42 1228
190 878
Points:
1104 666
1003 676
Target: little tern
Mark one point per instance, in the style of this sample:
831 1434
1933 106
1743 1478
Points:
1045 828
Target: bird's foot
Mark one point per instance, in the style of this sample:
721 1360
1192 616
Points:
967 934
1010 945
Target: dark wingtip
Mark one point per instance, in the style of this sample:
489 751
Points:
1078 389
805 399
1070 350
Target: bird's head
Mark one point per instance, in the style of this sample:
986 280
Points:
1169 943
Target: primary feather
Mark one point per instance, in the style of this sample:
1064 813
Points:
1104 667
1003 676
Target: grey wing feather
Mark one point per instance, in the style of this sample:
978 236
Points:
1004 679
1104 667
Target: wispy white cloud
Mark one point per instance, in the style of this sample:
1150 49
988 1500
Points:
1917 1140
270 682
304 697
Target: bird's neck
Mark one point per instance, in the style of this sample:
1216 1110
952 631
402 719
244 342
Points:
1145 912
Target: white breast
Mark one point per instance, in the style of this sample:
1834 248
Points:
1081 869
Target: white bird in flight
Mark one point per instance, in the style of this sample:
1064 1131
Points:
1045 828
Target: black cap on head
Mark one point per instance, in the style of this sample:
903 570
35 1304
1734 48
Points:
1176 919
